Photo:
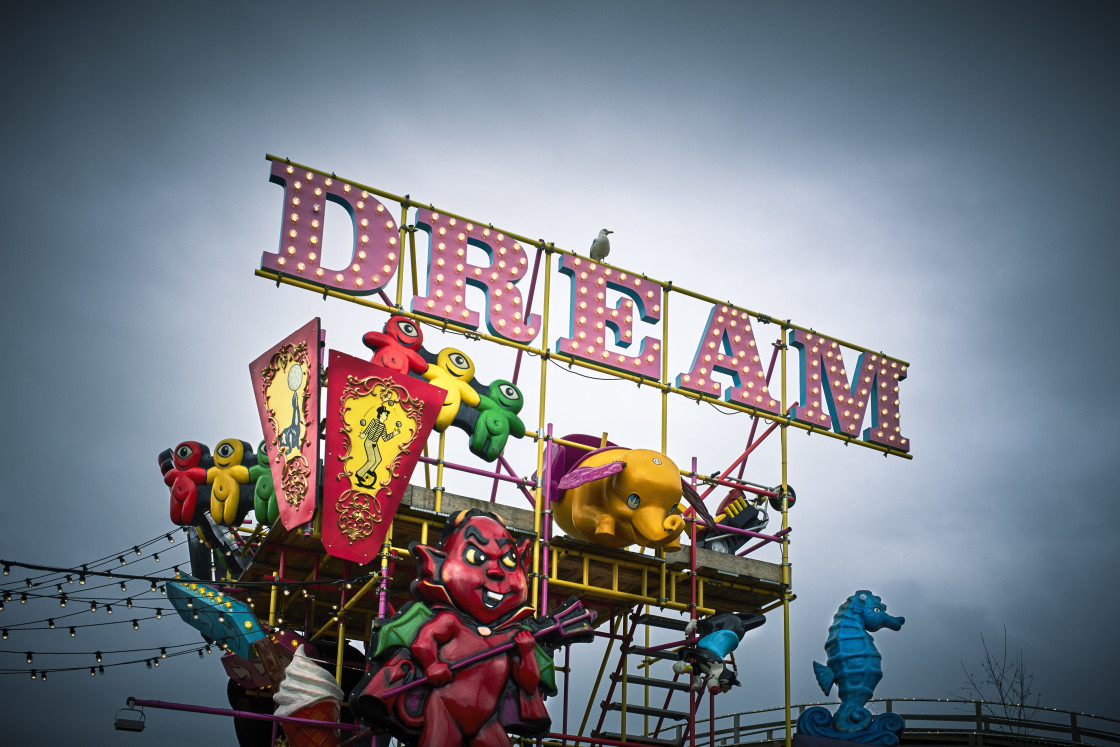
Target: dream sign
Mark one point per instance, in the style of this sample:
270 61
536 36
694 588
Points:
617 320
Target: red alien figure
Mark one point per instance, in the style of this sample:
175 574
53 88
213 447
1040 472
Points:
472 593
397 347
184 470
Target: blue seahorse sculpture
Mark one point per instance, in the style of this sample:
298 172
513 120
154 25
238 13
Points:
854 666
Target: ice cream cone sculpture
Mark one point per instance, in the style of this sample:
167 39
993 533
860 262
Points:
309 692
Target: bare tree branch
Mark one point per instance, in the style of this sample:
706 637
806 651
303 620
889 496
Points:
1003 687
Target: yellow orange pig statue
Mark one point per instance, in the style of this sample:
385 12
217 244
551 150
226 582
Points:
617 497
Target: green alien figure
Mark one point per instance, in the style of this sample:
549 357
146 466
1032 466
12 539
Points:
497 420
264 491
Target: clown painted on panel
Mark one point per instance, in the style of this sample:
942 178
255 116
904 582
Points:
377 423
382 420
381 429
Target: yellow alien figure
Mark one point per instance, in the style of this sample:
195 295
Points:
452 372
226 478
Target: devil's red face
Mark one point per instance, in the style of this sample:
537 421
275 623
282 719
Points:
404 331
187 455
483 572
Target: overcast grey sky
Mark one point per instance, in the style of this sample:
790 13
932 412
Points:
935 180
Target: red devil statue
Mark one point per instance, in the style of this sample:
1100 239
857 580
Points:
464 664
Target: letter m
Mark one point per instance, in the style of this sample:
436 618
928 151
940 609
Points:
830 399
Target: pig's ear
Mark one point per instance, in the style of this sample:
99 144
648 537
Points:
697 504
583 475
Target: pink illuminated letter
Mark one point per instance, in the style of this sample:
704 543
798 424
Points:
729 347
592 316
449 273
375 256
876 388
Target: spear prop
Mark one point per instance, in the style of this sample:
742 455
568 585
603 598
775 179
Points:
569 621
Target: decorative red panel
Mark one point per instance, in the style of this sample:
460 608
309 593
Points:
378 421
286 385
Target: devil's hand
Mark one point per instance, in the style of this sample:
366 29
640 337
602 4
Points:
439 674
525 643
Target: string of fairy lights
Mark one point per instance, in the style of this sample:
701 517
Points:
58 583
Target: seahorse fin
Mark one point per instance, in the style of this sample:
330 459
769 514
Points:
825 677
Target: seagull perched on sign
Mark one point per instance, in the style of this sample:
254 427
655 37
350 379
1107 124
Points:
601 246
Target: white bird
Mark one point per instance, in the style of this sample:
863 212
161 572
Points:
601 246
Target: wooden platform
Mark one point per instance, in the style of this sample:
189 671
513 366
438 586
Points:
606 579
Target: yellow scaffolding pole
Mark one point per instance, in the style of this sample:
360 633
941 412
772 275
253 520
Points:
785 541
538 492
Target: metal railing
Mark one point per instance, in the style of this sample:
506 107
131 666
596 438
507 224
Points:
936 721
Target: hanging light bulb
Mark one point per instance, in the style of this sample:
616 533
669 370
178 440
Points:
155 557
5 634
7 595
73 632
109 609
43 676
23 598
30 658
92 672
121 558
82 579
123 588
7 569
93 606
136 625
98 655
50 622
69 579
62 601
200 654
101 670
148 662
163 653
163 590
159 613
156 662
128 603
28 582
58 588
137 549
153 586
170 540
33 674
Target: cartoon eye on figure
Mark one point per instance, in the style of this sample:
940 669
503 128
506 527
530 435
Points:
407 330
634 500
225 450
511 392
473 556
